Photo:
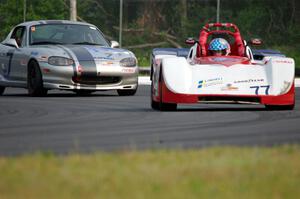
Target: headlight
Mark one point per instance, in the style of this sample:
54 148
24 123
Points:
128 62
60 61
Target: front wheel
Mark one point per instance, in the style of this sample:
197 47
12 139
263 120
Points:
127 92
35 80
154 104
280 107
2 88
166 106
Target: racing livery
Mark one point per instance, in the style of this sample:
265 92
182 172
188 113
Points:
240 77
65 55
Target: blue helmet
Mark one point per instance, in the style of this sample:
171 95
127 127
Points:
218 44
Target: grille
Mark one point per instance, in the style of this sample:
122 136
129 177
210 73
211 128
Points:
97 80
229 99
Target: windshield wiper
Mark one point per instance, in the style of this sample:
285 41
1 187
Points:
45 42
85 43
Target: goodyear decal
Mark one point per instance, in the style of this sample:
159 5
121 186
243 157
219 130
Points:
248 81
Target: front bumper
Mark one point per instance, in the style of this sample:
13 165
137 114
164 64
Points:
109 78
171 97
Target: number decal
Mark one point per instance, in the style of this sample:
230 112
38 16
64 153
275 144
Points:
257 88
267 87
10 55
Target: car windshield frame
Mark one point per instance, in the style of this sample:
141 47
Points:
95 35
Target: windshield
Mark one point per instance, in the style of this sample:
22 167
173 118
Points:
66 34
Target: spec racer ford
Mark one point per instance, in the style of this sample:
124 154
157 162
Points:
231 75
65 55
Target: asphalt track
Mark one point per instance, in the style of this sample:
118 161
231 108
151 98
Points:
65 123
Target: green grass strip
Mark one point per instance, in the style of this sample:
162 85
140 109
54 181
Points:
218 172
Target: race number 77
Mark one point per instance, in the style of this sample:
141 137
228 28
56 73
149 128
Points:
258 88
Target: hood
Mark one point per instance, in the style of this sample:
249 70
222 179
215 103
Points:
82 52
89 52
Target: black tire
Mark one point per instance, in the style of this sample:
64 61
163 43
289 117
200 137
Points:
280 107
154 104
127 92
35 80
83 92
2 88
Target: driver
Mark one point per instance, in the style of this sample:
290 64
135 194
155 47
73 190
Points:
219 47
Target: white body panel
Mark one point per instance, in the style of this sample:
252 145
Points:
272 76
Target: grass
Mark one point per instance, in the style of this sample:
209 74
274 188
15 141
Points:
221 172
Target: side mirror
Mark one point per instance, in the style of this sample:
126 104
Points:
12 42
190 41
255 42
115 44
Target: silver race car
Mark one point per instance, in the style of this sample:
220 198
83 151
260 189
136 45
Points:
65 55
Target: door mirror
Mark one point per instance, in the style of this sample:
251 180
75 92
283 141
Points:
190 41
255 42
114 44
12 42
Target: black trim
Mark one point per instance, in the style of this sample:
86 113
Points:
86 61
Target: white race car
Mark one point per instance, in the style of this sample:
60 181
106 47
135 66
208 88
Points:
236 77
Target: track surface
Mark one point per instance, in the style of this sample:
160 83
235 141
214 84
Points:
64 123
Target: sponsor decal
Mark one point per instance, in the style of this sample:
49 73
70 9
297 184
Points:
105 63
229 87
209 82
97 54
34 53
248 81
283 61
128 70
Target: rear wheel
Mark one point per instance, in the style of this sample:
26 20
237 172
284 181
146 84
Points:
127 92
35 80
280 107
2 88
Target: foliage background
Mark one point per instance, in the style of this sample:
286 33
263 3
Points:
168 22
